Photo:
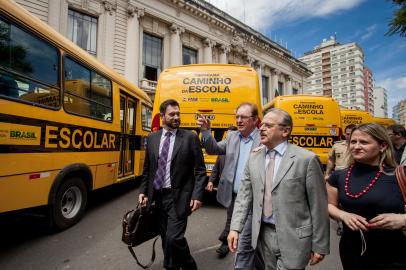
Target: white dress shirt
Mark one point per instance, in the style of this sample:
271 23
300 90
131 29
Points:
167 181
279 152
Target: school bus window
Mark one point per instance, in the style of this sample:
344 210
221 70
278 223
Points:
146 117
131 119
101 96
28 67
86 92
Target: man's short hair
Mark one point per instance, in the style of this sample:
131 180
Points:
350 126
286 120
254 108
166 103
398 130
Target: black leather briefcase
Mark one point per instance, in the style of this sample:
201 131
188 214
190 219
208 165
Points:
139 226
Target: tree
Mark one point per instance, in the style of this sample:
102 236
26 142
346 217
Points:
398 23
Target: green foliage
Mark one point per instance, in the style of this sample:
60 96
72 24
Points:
398 23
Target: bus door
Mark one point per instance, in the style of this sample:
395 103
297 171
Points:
128 110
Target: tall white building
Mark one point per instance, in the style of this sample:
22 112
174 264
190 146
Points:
380 102
337 72
140 38
399 112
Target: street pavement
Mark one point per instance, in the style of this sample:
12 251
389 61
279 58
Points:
26 242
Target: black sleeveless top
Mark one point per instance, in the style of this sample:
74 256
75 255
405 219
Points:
384 197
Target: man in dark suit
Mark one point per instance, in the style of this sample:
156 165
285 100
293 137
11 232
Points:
174 177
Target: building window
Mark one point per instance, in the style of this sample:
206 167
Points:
280 88
82 30
189 56
151 58
295 91
265 86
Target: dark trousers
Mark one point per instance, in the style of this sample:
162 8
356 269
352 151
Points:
224 234
175 247
244 258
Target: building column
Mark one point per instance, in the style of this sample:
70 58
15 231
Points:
54 14
207 51
288 87
258 68
176 45
132 55
224 49
105 39
275 78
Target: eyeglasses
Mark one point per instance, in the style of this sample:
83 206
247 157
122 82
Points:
243 117
270 125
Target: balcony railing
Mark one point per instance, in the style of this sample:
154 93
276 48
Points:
148 86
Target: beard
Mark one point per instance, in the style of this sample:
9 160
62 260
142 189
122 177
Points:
173 124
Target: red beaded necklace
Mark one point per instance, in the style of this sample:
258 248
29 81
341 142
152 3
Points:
365 190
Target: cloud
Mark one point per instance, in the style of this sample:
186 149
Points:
261 14
369 32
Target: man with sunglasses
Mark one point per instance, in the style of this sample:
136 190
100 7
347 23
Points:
236 148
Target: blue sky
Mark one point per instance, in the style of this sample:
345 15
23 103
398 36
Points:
302 24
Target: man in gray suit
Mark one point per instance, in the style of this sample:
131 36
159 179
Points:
283 185
236 148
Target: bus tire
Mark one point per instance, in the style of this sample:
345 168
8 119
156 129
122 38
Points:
69 204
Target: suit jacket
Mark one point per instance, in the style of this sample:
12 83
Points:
230 147
217 169
299 204
187 173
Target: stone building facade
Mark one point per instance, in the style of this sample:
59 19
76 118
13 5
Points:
140 38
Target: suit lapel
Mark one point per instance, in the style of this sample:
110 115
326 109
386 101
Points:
255 139
261 165
284 166
178 143
156 140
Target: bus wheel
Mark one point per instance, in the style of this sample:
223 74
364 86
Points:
70 202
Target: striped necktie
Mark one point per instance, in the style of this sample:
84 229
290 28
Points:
159 179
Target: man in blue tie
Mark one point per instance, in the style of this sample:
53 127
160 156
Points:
174 177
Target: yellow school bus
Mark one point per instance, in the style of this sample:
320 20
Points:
386 122
68 123
316 121
355 117
214 90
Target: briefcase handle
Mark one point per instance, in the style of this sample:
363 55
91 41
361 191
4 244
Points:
148 265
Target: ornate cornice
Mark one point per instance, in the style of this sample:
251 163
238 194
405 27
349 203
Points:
109 6
202 10
224 48
176 29
135 11
208 42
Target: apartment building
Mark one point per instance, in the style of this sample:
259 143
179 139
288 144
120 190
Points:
337 72
380 102
399 112
140 38
369 84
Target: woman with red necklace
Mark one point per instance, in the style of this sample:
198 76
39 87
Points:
366 197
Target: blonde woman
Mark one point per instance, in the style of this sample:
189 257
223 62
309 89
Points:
371 203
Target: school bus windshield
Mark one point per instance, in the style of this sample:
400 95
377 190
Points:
214 90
